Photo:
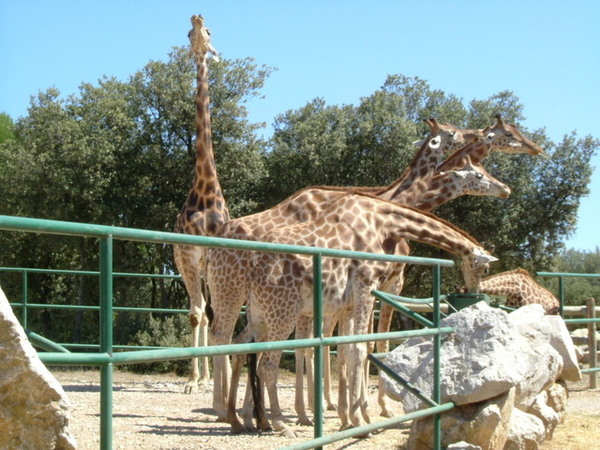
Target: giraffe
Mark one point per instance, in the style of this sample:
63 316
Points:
519 288
204 210
506 135
304 205
444 186
281 284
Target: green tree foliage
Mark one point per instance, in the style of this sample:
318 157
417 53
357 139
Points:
6 128
371 144
122 153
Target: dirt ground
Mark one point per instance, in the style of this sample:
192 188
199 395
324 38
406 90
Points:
152 412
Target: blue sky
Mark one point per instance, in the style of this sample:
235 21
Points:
546 52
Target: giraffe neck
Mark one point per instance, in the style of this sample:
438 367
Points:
205 195
403 222
416 177
476 150
441 190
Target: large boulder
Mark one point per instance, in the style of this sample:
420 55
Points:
561 341
543 363
481 360
34 410
526 431
484 425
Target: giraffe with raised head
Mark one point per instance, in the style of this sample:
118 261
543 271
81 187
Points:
281 284
519 288
204 210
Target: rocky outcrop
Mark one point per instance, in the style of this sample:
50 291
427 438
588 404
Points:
502 371
34 410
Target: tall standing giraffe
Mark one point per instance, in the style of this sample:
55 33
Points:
519 288
204 210
281 284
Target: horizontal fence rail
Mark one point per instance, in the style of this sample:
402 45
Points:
105 358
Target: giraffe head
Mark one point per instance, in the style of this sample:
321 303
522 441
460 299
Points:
199 37
506 137
451 136
474 266
473 179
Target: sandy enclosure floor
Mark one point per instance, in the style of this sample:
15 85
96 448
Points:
152 412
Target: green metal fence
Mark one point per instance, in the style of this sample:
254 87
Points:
106 358
591 320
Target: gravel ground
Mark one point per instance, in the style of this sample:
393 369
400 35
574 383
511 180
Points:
151 412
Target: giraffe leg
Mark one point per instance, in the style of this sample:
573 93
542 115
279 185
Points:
269 364
302 355
232 417
344 329
385 320
328 327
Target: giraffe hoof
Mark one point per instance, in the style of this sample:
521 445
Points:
190 388
286 432
305 421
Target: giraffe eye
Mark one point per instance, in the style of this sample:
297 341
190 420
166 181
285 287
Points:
479 176
508 134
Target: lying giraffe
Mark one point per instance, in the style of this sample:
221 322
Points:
519 288
281 284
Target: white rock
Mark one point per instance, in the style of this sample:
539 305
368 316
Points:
526 431
543 362
484 425
561 341
481 360
545 413
34 410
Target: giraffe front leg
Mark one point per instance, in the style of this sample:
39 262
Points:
191 387
269 364
232 417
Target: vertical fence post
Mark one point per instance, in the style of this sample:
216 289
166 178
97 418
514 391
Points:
592 342
318 350
106 340
437 343
25 290
561 296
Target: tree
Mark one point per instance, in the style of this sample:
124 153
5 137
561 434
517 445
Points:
6 128
372 146
121 153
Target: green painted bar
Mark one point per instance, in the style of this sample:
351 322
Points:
384 296
83 229
596 320
595 369
437 345
318 350
97 308
44 343
106 341
95 359
25 300
572 275
398 379
358 431
86 272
